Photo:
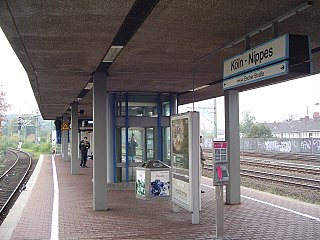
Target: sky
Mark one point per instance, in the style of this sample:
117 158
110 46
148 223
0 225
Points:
272 103
14 81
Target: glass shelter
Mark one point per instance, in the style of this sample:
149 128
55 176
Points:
141 131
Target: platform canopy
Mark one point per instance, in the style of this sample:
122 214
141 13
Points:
158 46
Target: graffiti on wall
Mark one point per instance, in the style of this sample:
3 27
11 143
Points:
316 145
304 145
278 146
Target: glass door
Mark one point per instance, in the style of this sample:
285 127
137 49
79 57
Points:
149 144
140 149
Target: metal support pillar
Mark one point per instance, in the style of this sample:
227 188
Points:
233 139
275 29
174 104
173 111
74 139
247 41
79 140
100 143
219 212
64 140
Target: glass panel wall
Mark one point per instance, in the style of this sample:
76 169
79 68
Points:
138 109
166 109
138 140
150 144
136 144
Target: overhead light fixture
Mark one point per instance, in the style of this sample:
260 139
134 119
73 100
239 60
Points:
199 88
112 53
89 86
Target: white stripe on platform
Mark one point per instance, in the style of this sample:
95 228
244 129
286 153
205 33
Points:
273 205
55 207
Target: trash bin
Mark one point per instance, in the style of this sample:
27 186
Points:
153 181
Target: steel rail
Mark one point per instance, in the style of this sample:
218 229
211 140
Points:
5 173
21 179
281 181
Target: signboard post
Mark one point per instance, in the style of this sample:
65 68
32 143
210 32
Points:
220 178
185 161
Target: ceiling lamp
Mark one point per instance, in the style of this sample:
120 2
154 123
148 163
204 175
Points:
112 53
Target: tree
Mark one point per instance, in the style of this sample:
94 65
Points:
251 129
259 130
4 106
247 123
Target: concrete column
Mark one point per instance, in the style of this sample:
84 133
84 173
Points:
233 139
100 143
74 139
109 136
64 139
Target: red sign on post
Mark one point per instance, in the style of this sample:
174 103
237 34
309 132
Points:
220 144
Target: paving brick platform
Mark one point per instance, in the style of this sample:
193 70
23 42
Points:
259 216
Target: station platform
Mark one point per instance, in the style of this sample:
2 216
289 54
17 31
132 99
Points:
37 216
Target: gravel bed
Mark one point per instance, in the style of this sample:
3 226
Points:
278 171
296 192
7 162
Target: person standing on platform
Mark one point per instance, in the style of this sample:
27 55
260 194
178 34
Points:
132 148
84 146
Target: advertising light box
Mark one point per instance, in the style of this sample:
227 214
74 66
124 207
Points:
185 160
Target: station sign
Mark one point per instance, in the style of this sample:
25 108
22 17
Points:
265 54
261 74
86 129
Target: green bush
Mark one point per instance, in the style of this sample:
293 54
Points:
42 148
6 142
27 145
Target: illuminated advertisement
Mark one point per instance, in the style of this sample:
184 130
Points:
160 183
180 144
180 160
141 182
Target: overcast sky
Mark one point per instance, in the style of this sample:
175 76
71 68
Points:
14 80
272 103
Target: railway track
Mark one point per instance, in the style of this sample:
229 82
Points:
12 179
282 178
282 156
282 166
273 155
275 177
259 160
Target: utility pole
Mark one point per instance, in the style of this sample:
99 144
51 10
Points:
19 127
215 118
36 128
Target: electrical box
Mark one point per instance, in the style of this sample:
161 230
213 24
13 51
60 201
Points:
220 163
